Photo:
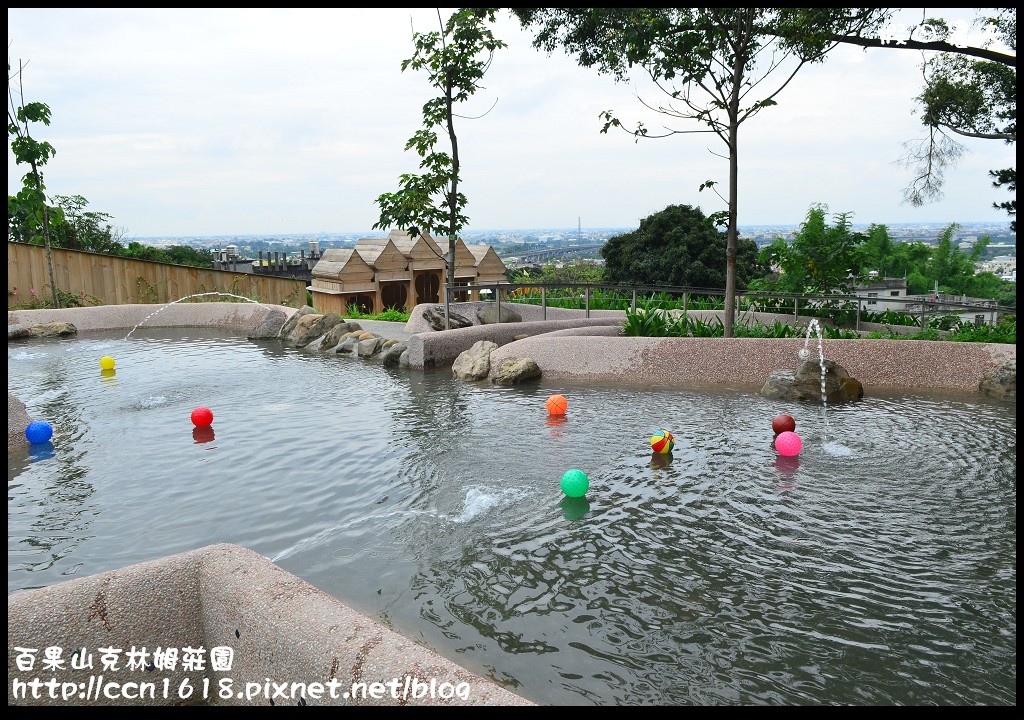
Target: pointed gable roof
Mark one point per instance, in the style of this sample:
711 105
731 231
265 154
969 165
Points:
465 261
421 249
487 261
382 255
343 264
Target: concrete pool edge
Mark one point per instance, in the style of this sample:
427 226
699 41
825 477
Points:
281 630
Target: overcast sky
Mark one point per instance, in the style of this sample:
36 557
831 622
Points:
191 121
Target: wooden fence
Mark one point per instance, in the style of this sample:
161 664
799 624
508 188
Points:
111 280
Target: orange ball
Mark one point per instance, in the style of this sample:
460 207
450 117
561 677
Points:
557 405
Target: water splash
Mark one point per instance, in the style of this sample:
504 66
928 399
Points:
804 354
183 299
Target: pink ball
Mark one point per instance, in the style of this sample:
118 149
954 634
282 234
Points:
788 443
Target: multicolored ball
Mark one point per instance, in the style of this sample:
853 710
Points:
663 441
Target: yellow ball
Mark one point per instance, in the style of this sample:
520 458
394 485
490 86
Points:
107 362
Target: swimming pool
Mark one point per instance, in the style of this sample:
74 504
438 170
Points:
878 567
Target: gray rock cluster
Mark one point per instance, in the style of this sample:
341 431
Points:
332 334
475 364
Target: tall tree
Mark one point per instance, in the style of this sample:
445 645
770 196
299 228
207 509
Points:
708 62
30 203
677 246
822 259
456 59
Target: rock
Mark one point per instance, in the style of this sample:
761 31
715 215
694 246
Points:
44 330
17 420
804 384
392 357
290 324
368 347
489 315
301 334
270 326
435 317
1001 383
321 327
474 363
336 334
515 370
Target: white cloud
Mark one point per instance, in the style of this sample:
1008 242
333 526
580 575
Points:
214 121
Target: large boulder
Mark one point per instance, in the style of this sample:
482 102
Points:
434 315
474 363
43 330
515 370
270 326
805 384
489 314
289 326
1001 383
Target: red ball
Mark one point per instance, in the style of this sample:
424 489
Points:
783 423
202 417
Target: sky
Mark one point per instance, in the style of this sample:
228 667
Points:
201 121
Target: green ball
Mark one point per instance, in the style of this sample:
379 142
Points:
575 483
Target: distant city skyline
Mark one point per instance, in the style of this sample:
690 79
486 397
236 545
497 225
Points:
966 228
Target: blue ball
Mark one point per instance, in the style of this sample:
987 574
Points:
39 432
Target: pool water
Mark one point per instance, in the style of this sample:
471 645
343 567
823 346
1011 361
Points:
878 567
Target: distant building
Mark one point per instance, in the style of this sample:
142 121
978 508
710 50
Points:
277 263
399 271
883 294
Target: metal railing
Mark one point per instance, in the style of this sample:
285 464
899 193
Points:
924 307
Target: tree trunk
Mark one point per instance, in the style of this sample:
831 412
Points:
46 239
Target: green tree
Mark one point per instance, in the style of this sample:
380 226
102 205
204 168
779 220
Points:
678 246
577 272
950 267
707 61
83 229
456 59
29 205
821 260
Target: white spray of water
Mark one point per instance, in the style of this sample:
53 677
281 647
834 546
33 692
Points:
187 297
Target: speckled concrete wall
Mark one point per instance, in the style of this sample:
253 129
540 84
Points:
280 629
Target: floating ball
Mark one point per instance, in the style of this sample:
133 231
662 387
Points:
788 443
557 405
662 442
575 483
202 417
39 432
106 363
783 423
